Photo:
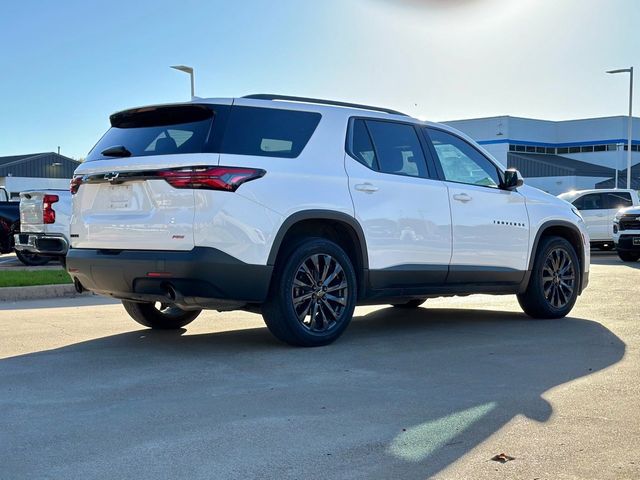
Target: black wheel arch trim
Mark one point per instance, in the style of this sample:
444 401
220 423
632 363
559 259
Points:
318 214
581 254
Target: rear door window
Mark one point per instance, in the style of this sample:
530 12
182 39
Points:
268 132
617 200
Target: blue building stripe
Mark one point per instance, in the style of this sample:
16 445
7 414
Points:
556 145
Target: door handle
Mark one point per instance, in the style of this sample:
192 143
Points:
462 197
366 187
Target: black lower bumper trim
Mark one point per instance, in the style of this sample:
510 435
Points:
201 276
625 243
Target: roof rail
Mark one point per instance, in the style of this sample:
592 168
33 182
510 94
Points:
267 96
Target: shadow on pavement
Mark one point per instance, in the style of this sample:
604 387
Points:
610 258
401 395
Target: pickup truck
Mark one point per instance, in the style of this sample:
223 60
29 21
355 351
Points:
626 234
598 208
44 224
9 221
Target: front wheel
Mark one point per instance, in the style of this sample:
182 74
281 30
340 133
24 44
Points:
629 256
555 280
160 316
312 295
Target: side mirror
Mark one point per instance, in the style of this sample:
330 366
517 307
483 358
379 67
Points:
512 179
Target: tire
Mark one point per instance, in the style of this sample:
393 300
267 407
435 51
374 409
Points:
311 271
629 256
411 304
554 283
32 259
168 318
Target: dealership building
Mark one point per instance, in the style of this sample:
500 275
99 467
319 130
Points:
558 156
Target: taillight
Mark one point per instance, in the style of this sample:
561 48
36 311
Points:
76 181
48 213
211 178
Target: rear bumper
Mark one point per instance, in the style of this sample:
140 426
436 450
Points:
41 243
625 243
200 278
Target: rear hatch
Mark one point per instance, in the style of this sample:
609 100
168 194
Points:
128 193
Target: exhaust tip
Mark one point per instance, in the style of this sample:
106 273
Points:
171 292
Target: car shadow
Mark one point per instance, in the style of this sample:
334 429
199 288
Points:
611 258
400 395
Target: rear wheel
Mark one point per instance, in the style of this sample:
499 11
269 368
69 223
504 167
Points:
415 303
312 295
629 256
555 279
32 259
160 316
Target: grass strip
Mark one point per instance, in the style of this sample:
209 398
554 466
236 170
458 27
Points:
28 278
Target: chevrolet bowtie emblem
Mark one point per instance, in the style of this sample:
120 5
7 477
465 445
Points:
110 177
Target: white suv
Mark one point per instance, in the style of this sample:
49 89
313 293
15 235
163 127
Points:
302 209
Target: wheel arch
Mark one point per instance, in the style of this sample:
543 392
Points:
340 227
559 228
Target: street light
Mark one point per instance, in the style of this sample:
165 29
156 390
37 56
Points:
629 131
189 70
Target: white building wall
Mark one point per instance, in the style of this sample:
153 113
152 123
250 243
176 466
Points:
532 130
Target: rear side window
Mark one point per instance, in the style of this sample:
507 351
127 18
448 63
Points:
268 132
591 201
397 148
617 200
156 131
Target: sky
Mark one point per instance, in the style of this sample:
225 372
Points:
67 65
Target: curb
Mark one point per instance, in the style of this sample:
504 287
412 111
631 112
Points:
15 294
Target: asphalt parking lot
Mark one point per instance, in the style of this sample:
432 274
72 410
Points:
434 393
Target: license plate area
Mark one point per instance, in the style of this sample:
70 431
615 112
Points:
119 197
636 241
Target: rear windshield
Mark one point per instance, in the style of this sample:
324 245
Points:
198 128
157 131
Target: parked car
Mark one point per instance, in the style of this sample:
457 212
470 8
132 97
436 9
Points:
626 234
302 209
44 224
598 208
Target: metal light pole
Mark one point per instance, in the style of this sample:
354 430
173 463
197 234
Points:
618 146
629 130
189 70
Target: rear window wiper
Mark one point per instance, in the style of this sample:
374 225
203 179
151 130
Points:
116 151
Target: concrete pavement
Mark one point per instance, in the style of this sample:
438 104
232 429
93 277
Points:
433 393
